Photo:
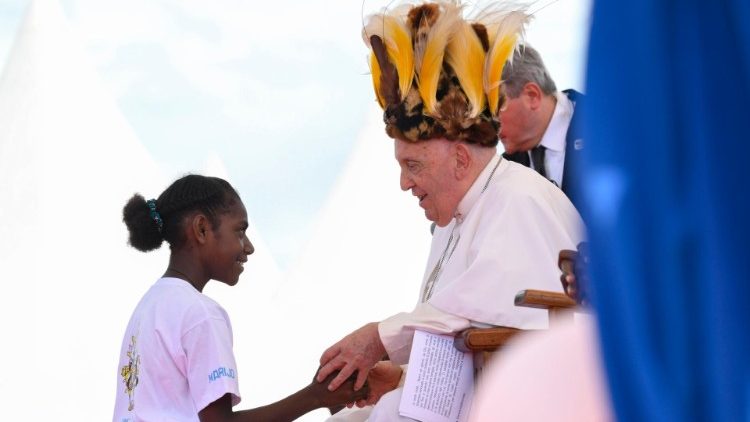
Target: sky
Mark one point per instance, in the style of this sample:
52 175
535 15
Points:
274 97
277 90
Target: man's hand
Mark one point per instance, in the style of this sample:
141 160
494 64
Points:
566 262
384 377
358 351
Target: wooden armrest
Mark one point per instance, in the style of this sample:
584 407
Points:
544 300
483 339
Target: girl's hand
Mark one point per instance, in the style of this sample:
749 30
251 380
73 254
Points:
341 396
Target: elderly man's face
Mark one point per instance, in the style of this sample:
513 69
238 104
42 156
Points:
514 124
428 169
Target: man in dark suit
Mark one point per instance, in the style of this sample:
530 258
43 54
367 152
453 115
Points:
539 126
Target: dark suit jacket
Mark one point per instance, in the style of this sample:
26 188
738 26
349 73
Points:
573 149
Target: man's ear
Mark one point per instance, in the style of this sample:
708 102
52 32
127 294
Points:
463 160
532 94
199 227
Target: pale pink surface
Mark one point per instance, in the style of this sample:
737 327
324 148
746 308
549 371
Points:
551 375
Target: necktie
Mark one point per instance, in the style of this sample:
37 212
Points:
521 157
537 157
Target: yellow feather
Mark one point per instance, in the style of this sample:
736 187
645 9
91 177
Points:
466 56
499 54
504 37
400 52
375 71
432 53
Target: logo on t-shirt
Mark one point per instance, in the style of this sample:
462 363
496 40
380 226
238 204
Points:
221 372
129 372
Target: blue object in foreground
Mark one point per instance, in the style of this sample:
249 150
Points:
668 205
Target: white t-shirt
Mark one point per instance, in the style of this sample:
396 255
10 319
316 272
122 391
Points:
176 356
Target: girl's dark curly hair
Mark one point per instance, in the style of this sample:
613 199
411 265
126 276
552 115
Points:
210 196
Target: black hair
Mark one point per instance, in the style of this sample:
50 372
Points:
210 196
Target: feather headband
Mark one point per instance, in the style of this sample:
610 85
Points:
437 74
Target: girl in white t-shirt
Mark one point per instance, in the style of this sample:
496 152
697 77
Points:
176 362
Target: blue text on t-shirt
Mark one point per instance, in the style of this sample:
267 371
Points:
221 372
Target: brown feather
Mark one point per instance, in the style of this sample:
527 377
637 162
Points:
421 19
481 32
389 75
423 16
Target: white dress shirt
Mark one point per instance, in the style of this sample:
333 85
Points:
554 139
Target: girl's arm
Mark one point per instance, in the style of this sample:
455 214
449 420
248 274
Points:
314 396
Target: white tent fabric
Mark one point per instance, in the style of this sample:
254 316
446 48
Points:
68 163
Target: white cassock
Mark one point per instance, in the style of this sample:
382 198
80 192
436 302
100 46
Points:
505 237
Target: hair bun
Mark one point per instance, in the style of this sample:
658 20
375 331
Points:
144 231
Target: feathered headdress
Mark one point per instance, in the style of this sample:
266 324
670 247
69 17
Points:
437 74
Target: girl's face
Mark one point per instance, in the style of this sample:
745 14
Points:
230 245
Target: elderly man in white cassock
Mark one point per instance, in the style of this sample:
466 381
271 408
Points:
499 224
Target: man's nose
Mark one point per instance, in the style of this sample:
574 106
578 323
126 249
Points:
249 248
406 182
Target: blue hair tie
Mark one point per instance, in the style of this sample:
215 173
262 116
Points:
155 214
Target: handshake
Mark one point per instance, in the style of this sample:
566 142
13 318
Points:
382 378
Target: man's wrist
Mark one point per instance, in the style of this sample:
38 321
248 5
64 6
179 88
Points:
380 347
